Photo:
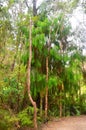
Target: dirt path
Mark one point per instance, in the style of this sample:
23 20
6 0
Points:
68 123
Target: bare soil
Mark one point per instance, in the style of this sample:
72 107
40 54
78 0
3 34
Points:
66 123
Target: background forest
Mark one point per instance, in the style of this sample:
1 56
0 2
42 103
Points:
42 62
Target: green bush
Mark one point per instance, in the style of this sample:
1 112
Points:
7 120
25 117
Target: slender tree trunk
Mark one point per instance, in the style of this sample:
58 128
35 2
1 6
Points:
41 105
61 98
64 104
29 74
48 44
60 105
46 94
60 101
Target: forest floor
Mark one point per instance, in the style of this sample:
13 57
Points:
66 123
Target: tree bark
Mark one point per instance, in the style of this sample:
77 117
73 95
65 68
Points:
61 97
46 93
34 8
48 44
28 76
61 90
60 105
41 104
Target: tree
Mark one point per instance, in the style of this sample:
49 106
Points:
28 76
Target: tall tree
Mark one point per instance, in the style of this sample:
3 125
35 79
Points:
29 75
47 76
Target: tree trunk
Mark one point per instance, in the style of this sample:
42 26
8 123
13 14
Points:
41 105
60 106
48 44
34 8
61 98
29 74
46 94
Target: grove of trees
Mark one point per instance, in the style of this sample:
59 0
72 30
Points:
42 71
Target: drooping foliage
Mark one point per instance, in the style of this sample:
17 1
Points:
64 75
